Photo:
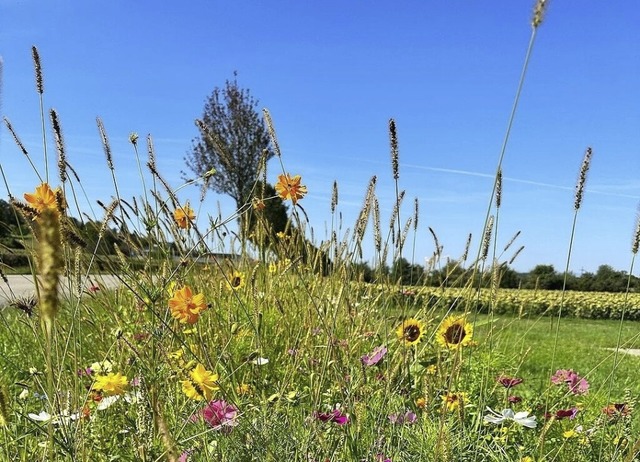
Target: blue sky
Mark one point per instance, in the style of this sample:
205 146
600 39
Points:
332 74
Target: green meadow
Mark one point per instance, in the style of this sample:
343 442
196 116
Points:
290 348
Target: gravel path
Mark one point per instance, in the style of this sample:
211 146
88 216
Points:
23 285
629 351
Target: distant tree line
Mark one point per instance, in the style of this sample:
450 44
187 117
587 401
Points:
452 274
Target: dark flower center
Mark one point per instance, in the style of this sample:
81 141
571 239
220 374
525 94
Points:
455 334
236 281
412 333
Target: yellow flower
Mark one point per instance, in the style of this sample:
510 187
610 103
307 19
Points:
243 389
453 400
186 307
290 188
527 459
570 434
184 216
236 281
421 402
44 198
111 384
273 268
454 332
258 204
410 332
201 383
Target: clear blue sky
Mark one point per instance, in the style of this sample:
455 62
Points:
332 73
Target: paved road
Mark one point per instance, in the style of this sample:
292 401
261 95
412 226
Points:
23 285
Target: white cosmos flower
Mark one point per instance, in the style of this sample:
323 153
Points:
521 418
44 416
106 402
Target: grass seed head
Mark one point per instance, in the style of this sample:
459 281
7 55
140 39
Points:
38 69
393 138
582 178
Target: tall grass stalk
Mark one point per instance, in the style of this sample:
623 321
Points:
40 89
536 21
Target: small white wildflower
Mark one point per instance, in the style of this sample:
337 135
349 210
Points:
44 416
260 361
106 402
24 394
102 367
521 418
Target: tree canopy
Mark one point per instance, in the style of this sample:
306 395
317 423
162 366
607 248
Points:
233 142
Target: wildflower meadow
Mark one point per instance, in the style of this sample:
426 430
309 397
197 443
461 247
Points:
280 349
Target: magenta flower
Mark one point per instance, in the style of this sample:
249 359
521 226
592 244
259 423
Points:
220 415
374 357
577 385
514 399
567 413
335 416
562 376
406 418
509 382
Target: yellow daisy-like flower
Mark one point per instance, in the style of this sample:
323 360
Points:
184 216
421 402
111 384
243 389
454 332
453 400
236 281
289 188
44 198
201 383
258 204
185 306
410 332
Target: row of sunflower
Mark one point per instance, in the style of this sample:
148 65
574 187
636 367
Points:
528 302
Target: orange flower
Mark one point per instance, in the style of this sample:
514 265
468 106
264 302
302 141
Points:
186 307
184 216
290 188
44 198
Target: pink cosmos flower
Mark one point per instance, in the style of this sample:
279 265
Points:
406 418
374 357
220 415
509 382
577 385
335 416
567 413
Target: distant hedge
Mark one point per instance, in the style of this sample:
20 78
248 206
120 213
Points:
14 260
